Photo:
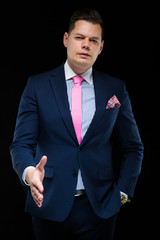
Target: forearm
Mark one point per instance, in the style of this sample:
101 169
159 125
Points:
26 132
131 145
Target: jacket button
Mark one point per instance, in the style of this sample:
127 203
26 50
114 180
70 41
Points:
74 173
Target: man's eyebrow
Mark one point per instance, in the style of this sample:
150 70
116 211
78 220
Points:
92 37
79 34
95 38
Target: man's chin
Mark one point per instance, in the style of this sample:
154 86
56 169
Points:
80 66
83 62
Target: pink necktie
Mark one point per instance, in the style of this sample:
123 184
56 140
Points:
77 106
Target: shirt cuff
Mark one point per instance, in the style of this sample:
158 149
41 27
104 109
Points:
24 174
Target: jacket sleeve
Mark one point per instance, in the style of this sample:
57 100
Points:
26 132
131 145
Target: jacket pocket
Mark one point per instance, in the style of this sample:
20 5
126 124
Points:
106 173
49 172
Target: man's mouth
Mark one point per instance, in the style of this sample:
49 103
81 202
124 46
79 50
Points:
84 55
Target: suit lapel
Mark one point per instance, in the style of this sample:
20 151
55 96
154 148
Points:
59 88
60 91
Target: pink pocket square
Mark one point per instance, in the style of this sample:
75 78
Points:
113 103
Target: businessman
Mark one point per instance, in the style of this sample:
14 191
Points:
62 148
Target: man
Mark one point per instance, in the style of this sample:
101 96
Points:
62 147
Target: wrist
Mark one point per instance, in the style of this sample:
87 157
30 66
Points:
28 175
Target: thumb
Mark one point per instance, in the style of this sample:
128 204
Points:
42 163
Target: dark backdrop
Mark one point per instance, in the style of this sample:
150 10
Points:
31 42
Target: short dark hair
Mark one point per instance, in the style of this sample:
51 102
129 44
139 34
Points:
89 15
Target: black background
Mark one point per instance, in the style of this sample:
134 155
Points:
31 42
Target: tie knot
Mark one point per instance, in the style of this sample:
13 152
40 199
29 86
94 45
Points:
77 79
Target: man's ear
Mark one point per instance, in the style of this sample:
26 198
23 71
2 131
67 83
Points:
101 47
65 38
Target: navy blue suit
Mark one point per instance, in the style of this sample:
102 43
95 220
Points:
44 127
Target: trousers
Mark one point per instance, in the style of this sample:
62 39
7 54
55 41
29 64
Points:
81 224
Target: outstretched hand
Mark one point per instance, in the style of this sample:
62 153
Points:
35 179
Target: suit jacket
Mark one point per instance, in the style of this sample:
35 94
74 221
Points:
44 127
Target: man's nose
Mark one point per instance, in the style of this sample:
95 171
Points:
86 43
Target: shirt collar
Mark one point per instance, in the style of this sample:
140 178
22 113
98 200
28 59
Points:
69 74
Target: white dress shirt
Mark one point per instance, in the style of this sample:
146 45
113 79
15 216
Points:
88 103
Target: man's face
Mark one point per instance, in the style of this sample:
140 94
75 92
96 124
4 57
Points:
84 44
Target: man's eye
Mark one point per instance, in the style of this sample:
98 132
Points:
94 41
78 38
